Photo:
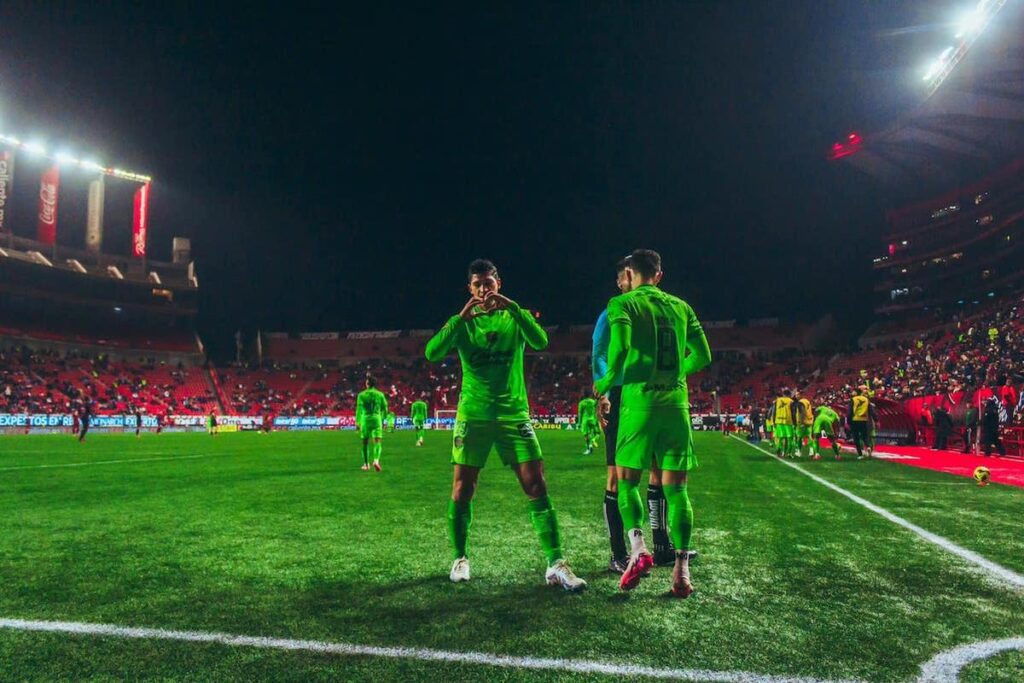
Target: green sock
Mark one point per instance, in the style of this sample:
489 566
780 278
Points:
630 506
835 446
460 517
366 453
378 447
680 515
545 523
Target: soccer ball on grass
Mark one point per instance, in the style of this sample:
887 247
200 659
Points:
982 475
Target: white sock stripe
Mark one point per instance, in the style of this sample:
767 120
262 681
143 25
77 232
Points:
421 654
996 571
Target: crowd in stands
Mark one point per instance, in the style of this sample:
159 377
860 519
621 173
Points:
44 381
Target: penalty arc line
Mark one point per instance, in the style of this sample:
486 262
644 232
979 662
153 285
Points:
996 571
104 462
421 654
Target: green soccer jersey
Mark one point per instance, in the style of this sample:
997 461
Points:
490 348
390 418
661 328
826 415
586 411
371 403
418 410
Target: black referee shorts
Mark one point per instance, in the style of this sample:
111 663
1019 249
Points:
611 430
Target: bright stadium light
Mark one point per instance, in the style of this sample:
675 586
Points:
971 22
91 166
34 148
65 158
937 66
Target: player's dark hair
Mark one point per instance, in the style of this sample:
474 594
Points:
371 380
622 264
786 392
646 262
482 266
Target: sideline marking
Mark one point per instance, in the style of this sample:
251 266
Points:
416 653
996 571
105 462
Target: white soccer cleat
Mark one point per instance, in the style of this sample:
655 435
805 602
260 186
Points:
460 570
365 468
561 574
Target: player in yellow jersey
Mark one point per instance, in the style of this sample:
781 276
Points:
804 422
784 415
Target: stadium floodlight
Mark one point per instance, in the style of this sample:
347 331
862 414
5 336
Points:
36 148
973 21
91 166
66 158
939 63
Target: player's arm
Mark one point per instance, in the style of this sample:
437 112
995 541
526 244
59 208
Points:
445 340
359 411
699 356
531 330
793 412
771 412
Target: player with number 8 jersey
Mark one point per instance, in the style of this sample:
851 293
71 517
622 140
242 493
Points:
651 332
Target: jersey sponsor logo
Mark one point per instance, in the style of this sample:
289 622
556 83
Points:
481 357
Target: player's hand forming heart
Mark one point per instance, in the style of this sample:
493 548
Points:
473 308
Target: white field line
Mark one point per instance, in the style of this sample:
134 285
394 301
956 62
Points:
105 462
421 654
998 572
945 667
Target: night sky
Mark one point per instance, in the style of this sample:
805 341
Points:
337 169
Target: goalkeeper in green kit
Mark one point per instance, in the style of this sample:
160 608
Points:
418 413
490 335
651 332
371 407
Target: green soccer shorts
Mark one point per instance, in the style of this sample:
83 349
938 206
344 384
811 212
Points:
371 429
660 436
418 424
823 426
589 427
473 441
784 431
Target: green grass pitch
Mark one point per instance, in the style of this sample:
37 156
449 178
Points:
282 535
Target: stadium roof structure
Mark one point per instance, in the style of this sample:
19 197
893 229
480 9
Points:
970 120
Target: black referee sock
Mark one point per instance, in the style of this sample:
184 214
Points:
613 519
656 510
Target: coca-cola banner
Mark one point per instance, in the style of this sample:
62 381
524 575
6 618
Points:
49 186
6 176
140 221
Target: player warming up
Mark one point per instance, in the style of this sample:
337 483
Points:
651 332
586 420
825 423
418 414
490 334
371 407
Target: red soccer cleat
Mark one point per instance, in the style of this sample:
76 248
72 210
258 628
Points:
637 568
376 465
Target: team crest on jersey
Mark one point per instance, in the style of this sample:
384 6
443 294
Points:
492 338
526 430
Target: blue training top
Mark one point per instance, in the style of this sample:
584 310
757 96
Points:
599 349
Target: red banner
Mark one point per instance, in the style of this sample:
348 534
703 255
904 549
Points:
6 174
49 187
140 221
